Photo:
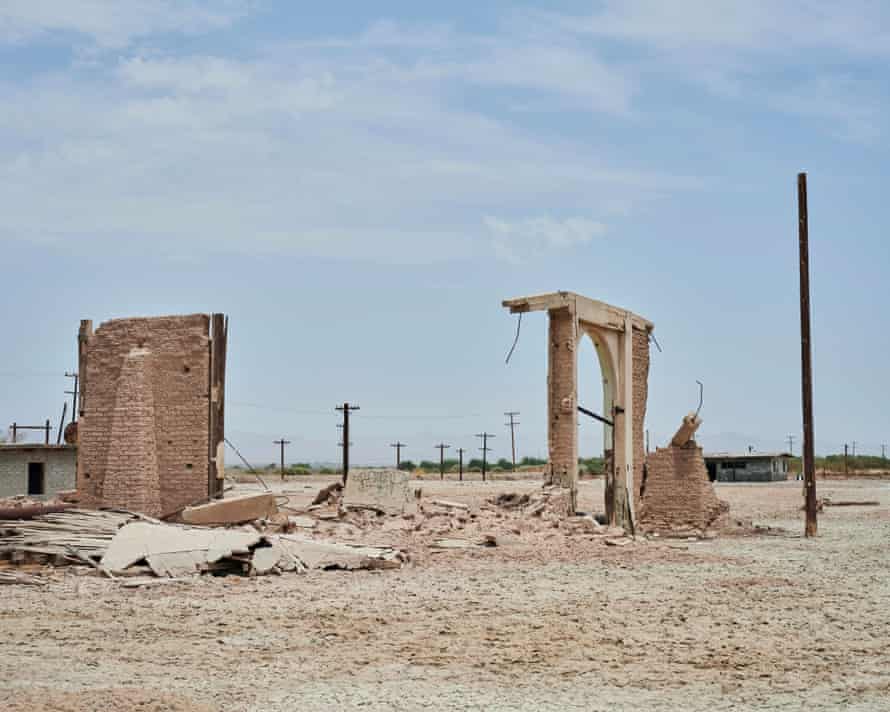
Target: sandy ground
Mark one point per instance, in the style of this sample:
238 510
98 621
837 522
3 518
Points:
735 623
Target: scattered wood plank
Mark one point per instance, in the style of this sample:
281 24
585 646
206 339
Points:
451 505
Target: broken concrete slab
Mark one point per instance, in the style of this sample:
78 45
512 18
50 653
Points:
172 550
386 491
232 510
319 554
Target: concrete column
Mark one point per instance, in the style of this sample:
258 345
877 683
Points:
562 390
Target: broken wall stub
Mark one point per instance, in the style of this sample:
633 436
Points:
150 413
678 493
386 491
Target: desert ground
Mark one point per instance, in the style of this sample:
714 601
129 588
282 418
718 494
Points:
543 621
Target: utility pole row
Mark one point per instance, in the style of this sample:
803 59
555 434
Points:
398 446
485 449
442 447
512 424
346 409
282 442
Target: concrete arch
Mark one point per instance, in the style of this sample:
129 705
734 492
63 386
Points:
621 340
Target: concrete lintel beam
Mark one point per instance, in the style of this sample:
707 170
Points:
589 311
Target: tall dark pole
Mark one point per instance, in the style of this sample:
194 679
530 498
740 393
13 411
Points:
460 463
345 409
485 436
845 458
398 446
442 447
512 424
282 442
61 423
806 363
73 394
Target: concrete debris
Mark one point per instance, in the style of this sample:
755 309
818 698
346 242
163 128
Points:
301 522
10 577
232 510
451 505
386 491
327 494
319 554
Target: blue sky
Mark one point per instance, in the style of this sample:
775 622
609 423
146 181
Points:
359 185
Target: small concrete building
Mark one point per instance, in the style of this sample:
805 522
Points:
747 467
37 470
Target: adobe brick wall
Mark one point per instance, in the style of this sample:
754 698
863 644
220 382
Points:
640 385
144 424
678 492
562 380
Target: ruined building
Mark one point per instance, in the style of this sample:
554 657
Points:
621 340
678 492
675 489
151 415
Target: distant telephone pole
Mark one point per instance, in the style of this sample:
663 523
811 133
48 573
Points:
460 463
883 451
398 446
512 424
485 449
73 394
346 409
282 442
791 445
845 458
854 448
442 447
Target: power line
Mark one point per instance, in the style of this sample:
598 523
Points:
511 414
485 449
73 393
442 447
282 442
398 446
346 409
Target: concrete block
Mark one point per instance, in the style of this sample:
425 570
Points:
387 491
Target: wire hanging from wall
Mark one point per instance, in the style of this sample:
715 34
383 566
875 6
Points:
516 339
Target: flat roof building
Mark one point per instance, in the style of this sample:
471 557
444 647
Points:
36 470
747 467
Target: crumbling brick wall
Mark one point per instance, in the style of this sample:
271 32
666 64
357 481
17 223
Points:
678 492
640 386
562 379
144 418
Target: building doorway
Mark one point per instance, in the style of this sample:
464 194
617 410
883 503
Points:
36 480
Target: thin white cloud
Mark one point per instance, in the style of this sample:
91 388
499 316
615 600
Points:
856 26
516 240
115 23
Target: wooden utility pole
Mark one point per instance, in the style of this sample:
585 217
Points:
791 445
398 446
512 425
460 463
282 442
883 451
62 423
73 394
809 450
485 449
845 458
442 447
346 409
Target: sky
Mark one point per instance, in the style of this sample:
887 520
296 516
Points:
359 185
